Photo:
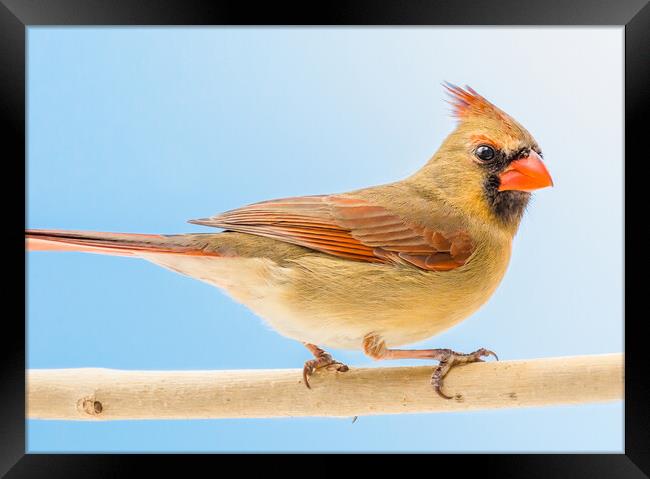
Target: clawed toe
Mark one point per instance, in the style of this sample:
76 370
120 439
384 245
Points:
336 366
453 359
485 353
436 379
307 371
324 360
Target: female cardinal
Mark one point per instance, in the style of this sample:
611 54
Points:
370 269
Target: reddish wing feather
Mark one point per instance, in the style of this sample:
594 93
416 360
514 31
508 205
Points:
349 228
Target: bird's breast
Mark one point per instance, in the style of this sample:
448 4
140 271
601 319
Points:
333 302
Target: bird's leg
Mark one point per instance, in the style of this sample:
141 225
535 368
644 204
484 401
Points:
375 347
323 360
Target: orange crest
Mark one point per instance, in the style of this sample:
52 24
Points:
467 103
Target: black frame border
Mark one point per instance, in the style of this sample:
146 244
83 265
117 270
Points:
634 15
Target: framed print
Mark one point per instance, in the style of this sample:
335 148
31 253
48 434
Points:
407 224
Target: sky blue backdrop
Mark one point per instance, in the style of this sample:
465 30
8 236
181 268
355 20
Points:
138 130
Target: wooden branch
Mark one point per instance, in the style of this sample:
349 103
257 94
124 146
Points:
105 394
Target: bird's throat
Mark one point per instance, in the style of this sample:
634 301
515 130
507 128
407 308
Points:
507 206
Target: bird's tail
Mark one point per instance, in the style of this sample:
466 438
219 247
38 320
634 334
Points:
118 244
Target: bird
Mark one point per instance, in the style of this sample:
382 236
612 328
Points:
372 269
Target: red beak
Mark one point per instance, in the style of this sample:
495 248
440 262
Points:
525 174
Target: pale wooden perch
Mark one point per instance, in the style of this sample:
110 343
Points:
106 394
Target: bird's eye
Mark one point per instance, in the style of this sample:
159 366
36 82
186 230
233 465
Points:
485 153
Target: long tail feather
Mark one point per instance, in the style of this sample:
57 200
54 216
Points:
119 244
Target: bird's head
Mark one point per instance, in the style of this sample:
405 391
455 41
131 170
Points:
488 165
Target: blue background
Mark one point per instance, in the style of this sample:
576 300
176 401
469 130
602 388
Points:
139 130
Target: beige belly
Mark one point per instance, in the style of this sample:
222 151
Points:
334 303
338 306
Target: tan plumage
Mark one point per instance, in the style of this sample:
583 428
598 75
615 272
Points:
370 269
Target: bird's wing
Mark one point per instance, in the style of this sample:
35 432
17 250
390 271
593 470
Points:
349 227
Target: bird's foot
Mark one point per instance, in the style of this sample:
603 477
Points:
322 360
451 359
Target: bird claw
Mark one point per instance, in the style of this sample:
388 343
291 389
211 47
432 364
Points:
336 366
323 361
436 379
482 352
307 371
453 359
491 353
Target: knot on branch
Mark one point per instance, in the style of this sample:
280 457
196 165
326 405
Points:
90 405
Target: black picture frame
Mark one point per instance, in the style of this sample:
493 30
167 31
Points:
17 15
